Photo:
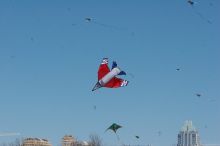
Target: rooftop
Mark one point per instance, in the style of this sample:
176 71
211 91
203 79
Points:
188 126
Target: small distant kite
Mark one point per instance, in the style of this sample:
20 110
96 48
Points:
107 78
190 2
88 19
114 127
198 95
178 69
137 137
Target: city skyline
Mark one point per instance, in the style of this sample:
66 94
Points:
50 52
187 136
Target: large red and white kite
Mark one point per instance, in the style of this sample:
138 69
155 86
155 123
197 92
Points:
107 78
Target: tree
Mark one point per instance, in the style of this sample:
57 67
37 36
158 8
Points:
16 142
95 140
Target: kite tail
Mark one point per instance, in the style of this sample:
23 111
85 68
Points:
117 137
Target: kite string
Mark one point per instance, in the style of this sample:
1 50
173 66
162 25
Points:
108 26
131 75
119 140
201 16
117 137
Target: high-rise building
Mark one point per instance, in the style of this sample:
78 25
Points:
188 135
35 142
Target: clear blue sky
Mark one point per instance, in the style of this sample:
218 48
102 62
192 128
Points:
49 56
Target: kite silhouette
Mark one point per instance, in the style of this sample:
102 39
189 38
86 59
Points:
114 127
198 94
137 137
190 2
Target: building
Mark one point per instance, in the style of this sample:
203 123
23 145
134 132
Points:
35 142
69 140
188 135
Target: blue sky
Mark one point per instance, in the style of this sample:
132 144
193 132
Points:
49 56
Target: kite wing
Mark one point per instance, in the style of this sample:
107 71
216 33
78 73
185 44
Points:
116 82
103 68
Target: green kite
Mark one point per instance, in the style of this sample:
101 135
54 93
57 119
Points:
114 127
